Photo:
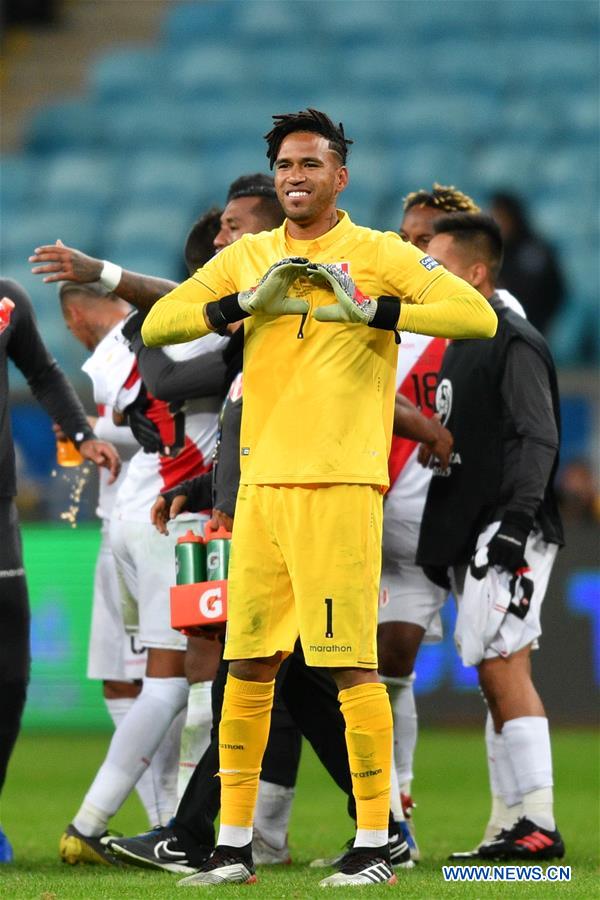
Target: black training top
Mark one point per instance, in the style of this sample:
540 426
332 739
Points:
21 341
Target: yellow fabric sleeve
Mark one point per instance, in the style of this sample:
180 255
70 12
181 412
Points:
464 314
179 315
434 301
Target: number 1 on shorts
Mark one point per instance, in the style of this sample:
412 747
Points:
329 626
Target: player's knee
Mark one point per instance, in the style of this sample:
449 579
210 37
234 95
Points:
201 660
397 647
262 669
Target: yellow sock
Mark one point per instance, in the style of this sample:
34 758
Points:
368 716
243 736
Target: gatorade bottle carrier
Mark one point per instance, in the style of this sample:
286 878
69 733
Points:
199 604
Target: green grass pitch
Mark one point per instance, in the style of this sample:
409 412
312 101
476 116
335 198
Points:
50 773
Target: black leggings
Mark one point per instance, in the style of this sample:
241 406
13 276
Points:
14 632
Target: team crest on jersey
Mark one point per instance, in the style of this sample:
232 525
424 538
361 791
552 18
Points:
429 263
443 399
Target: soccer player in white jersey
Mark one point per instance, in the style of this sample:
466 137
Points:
409 602
147 568
114 657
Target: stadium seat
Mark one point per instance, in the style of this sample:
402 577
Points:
353 25
74 124
131 126
45 226
19 185
169 178
210 70
262 21
189 22
132 73
80 181
147 228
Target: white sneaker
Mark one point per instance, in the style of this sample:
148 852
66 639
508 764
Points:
264 854
362 866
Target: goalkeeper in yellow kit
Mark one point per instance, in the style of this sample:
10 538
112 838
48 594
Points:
322 301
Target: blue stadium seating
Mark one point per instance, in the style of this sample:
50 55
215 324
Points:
131 73
45 226
65 126
483 95
189 22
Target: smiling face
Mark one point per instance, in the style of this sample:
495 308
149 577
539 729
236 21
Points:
417 225
308 178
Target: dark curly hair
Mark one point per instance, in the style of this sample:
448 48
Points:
307 120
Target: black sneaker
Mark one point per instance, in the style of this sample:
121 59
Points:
400 851
363 866
525 840
225 865
75 848
157 849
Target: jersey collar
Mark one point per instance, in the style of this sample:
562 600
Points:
319 244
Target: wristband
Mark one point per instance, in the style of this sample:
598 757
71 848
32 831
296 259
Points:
81 436
225 311
387 315
110 275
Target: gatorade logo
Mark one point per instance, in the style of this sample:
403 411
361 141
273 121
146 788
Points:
212 560
211 603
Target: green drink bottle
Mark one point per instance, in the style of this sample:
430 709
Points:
190 559
217 554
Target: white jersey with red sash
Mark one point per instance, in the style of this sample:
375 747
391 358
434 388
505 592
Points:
419 361
193 428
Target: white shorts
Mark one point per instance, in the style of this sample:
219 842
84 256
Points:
113 655
498 613
405 593
146 561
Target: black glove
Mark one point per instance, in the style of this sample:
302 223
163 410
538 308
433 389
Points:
133 325
144 429
507 548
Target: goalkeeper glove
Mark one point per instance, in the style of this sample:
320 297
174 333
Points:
507 548
352 305
268 298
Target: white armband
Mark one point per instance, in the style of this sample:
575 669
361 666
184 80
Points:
110 275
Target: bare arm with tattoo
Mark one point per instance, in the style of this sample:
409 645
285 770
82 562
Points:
59 263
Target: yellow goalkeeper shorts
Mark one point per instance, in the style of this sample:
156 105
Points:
305 561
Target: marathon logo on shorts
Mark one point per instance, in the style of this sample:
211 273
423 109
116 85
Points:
330 648
231 746
370 773
429 263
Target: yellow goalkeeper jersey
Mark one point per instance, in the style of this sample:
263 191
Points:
318 409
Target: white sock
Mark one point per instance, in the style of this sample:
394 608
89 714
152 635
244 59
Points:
367 838
195 736
506 799
234 835
395 799
528 743
118 709
133 745
404 711
163 771
272 814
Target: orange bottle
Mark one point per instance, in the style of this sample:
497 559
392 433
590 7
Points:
67 453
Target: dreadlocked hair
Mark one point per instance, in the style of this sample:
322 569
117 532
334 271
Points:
446 198
307 120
